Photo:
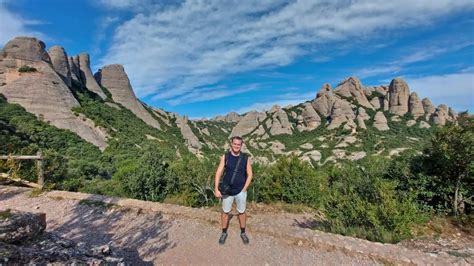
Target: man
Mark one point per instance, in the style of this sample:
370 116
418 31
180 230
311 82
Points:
235 169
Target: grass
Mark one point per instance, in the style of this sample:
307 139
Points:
35 192
5 214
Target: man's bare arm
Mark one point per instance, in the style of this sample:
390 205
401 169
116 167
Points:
219 172
249 175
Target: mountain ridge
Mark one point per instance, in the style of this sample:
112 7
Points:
350 108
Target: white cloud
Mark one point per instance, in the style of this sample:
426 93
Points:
118 3
211 93
282 100
177 50
455 90
13 25
419 54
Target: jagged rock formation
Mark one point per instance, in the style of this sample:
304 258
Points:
247 124
192 142
310 118
231 117
75 71
380 122
281 124
341 113
441 115
42 92
60 63
114 78
398 96
351 88
26 48
415 106
163 115
324 100
86 76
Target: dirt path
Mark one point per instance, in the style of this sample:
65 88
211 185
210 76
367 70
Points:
154 233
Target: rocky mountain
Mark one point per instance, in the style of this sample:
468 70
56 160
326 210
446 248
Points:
350 121
31 78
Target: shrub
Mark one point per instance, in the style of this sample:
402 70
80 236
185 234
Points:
26 69
363 204
290 180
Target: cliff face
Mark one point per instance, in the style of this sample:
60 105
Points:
29 79
114 78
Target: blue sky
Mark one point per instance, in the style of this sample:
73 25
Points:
204 58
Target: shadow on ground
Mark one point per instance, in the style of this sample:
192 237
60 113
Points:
131 234
6 194
309 223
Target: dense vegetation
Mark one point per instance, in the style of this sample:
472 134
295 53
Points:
374 198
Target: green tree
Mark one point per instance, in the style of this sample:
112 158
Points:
147 177
451 157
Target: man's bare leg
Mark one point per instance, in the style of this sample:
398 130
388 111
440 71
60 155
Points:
225 220
243 222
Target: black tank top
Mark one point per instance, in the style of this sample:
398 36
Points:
240 177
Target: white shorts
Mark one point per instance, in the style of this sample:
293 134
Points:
240 200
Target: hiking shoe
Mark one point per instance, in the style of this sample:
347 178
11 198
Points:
245 238
222 238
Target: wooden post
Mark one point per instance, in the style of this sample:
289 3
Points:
39 165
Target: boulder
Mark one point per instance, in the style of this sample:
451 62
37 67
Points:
415 106
277 147
398 97
206 132
313 155
26 48
306 146
395 118
411 123
362 113
377 102
60 63
281 124
423 124
324 100
352 88
114 78
87 79
356 155
310 117
428 107
341 112
380 122
441 115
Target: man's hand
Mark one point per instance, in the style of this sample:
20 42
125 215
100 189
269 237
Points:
217 193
